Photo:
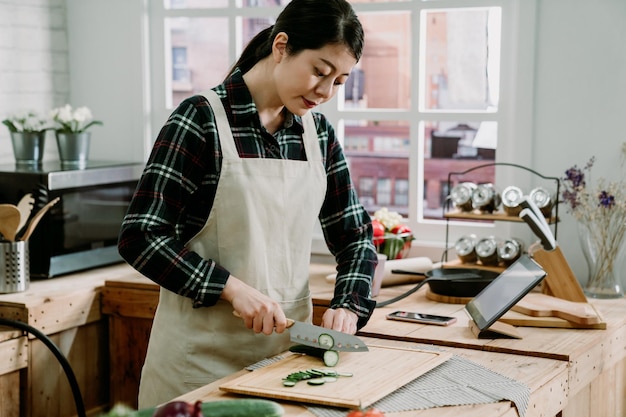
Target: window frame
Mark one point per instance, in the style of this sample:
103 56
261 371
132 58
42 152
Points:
514 114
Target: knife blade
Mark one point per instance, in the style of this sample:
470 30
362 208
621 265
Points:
547 239
309 335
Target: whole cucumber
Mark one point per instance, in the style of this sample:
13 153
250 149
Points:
246 407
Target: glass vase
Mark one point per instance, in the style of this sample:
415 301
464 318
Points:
604 254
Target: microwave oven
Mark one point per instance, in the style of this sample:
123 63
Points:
80 231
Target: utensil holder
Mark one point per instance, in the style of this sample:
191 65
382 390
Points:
14 267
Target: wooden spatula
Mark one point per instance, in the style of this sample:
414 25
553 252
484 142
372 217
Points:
9 221
36 218
25 206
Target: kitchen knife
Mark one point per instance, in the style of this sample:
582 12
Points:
527 203
547 239
309 334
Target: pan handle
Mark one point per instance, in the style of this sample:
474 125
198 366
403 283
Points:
403 272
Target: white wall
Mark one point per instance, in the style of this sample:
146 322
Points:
580 95
579 72
34 70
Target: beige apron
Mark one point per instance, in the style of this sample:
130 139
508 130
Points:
260 229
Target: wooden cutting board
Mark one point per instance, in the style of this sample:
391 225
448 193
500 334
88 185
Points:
376 373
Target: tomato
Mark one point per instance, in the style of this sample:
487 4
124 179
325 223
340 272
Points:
400 228
379 229
370 412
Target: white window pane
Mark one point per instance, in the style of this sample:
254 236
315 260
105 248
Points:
198 55
382 77
194 4
378 156
461 59
263 3
455 147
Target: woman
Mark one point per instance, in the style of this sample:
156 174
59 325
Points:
223 215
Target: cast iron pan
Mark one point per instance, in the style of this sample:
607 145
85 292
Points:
456 282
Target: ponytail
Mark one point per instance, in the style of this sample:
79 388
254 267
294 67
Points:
258 48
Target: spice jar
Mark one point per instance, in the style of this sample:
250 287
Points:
511 197
465 248
510 251
485 198
543 199
487 251
461 195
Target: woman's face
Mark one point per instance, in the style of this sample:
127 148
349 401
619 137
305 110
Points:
312 76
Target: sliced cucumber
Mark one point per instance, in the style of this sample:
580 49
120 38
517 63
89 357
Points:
326 341
331 358
316 381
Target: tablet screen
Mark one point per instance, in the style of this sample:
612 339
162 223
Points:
504 291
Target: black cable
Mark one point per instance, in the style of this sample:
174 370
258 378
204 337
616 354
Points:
404 295
78 398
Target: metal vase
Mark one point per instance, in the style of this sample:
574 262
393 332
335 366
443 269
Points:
73 148
28 147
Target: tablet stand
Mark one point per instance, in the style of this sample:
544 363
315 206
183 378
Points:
497 330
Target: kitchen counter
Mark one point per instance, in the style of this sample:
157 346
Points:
576 372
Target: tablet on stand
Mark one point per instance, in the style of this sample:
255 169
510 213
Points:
500 295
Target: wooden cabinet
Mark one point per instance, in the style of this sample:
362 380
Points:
68 311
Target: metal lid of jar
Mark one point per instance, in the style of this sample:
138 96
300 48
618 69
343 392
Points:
484 195
541 197
511 196
511 249
486 247
462 193
465 245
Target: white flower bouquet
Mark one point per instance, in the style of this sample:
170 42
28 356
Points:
68 120
27 122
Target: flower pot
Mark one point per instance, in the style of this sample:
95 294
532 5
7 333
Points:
28 147
73 148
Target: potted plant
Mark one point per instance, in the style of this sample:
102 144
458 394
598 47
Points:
28 133
72 136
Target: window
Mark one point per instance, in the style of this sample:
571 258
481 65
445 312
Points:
424 100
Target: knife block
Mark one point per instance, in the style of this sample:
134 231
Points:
560 281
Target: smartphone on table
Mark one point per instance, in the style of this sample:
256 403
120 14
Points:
421 318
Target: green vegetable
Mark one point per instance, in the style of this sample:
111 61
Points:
312 377
329 357
246 407
326 341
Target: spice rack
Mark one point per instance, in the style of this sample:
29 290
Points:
449 213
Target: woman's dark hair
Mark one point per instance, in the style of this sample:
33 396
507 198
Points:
309 24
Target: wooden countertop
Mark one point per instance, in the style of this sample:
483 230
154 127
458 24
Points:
555 363
546 378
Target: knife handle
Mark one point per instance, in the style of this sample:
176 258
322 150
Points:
290 322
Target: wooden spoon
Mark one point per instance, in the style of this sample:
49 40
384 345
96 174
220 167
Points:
25 206
35 220
9 221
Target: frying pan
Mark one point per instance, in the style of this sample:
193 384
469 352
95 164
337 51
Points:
455 282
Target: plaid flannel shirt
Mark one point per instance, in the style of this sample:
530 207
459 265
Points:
176 191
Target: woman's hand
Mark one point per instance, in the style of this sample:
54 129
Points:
340 319
259 312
